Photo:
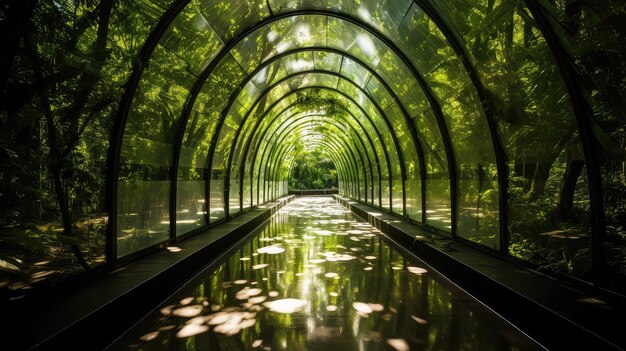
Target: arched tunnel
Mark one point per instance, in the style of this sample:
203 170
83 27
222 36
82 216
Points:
484 139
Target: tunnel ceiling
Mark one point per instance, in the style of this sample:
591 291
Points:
497 122
399 94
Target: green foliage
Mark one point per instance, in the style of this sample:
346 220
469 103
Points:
311 170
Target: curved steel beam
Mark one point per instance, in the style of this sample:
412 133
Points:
329 73
391 132
278 142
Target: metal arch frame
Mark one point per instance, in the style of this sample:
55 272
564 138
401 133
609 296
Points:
349 167
220 123
260 119
372 144
278 143
374 103
583 113
341 172
407 118
147 49
326 144
339 146
391 131
254 138
291 121
456 42
408 121
295 123
119 124
390 45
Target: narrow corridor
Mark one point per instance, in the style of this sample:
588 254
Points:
316 277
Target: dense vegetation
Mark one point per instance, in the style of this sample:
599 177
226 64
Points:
311 170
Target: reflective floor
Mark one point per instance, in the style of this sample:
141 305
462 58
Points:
317 278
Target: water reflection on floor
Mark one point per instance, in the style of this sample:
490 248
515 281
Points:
317 278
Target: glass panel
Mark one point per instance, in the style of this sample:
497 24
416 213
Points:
327 61
395 73
356 41
355 72
278 37
538 130
190 203
192 39
383 15
230 18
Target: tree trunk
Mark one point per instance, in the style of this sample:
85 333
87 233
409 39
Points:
538 186
566 196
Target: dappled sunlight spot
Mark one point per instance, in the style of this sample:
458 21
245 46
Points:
376 307
396 268
196 320
167 327
299 274
331 308
215 308
362 307
245 259
323 232
272 250
191 330
257 300
354 238
370 257
149 336
240 281
288 305
334 294
257 343
186 301
187 311
368 268
417 270
167 310
315 261
398 344
419 320
331 256
273 293
246 293
331 275
259 266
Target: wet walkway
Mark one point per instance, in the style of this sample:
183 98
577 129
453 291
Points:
317 278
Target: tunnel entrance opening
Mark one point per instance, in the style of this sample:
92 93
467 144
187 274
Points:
312 171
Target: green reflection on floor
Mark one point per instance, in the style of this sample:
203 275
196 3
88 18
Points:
317 278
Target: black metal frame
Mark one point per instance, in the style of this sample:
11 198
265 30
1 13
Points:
280 137
277 152
268 90
334 74
119 125
456 42
583 113
253 138
391 131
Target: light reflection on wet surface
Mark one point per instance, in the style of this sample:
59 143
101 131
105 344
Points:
316 278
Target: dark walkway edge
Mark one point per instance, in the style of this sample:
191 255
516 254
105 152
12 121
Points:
557 316
91 316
